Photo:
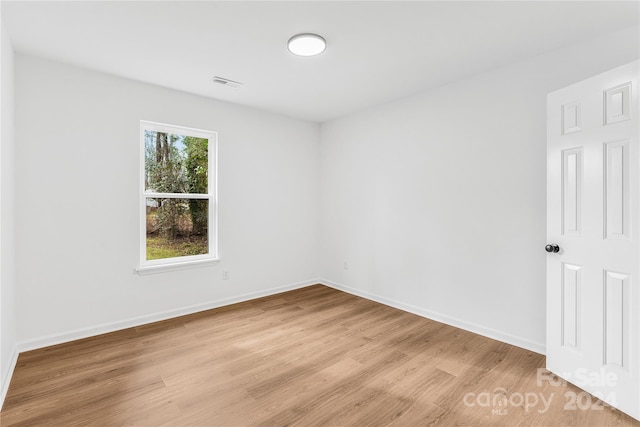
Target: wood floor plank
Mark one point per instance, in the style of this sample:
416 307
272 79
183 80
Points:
310 357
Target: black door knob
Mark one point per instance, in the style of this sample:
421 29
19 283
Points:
552 248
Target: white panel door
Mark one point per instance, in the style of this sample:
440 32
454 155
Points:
593 236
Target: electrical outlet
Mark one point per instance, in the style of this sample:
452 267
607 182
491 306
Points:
225 274
346 265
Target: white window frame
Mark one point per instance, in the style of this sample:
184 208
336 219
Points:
189 261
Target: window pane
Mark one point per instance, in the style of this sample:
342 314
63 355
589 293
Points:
177 227
175 163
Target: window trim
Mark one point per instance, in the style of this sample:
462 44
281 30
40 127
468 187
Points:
190 261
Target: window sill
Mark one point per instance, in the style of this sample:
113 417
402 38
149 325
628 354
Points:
163 268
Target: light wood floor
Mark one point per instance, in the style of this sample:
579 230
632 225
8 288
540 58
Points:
310 357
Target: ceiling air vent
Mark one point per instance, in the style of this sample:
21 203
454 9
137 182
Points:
226 82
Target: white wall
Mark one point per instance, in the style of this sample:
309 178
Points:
437 201
77 193
7 249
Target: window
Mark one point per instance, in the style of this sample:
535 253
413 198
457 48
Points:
178 197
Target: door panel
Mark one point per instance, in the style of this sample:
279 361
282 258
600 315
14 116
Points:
593 189
616 319
616 189
571 296
572 191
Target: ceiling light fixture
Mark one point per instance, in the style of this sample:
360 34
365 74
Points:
307 44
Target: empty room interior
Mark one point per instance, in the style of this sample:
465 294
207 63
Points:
319 213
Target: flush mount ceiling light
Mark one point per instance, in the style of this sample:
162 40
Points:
306 44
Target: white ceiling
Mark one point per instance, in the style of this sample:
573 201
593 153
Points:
377 51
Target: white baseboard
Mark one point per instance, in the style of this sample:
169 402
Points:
438 317
129 323
156 317
7 374
169 314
